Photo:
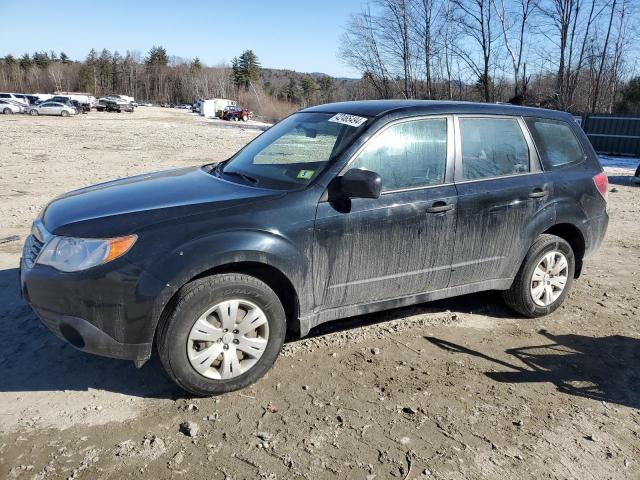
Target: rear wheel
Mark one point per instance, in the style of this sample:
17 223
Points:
245 118
224 334
64 113
7 111
33 112
544 279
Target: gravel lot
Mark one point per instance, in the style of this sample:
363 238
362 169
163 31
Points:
455 389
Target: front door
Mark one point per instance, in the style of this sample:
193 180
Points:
501 190
401 243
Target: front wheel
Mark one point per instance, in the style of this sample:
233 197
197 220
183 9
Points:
33 112
544 279
224 334
64 113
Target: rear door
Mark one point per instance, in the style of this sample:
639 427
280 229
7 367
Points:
501 190
398 244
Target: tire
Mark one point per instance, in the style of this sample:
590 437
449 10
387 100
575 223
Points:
175 345
33 113
245 118
7 111
520 297
64 113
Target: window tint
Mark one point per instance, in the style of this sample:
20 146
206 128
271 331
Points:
556 142
492 147
408 154
5 95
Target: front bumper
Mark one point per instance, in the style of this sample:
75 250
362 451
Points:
89 338
104 311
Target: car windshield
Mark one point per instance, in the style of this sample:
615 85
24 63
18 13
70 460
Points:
294 151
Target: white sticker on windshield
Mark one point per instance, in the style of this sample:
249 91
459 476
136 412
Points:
346 119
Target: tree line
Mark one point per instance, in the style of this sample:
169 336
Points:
576 55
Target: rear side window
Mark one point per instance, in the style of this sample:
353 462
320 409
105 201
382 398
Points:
408 154
556 142
492 147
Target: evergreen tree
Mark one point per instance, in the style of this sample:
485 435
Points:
41 59
157 56
291 92
327 89
88 80
104 72
630 102
25 62
116 67
64 58
196 65
10 60
245 70
308 86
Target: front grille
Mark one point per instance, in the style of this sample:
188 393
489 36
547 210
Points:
32 248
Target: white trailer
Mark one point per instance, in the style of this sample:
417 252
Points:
210 108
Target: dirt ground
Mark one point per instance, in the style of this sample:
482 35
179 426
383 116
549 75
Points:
455 389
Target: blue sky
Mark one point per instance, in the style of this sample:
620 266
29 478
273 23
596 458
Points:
300 35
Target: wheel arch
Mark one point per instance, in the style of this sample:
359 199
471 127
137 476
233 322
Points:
274 277
574 237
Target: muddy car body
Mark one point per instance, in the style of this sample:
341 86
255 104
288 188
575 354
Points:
339 210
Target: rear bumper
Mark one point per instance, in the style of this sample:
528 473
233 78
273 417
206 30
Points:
595 229
89 338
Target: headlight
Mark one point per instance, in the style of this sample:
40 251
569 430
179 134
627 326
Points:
73 254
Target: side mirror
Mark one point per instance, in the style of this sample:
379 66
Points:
357 183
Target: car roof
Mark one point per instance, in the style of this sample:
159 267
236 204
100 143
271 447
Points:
379 108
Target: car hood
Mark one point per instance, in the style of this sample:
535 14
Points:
126 205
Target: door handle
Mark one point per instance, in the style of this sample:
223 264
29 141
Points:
538 193
439 207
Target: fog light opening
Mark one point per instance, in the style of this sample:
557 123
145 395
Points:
71 335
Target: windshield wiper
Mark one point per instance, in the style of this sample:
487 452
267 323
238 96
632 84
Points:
216 170
247 178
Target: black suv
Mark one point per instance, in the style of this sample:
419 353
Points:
338 210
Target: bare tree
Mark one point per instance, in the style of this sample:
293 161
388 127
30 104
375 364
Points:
359 48
514 29
394 25
603 56
476 21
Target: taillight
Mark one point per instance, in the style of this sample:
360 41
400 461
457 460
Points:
602 184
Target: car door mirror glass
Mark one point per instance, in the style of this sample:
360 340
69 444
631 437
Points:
360 183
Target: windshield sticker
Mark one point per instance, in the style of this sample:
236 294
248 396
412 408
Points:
346 119
305 174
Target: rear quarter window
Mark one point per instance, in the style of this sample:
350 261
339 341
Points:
557 144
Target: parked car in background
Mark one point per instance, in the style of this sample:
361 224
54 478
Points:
16 97
52 108
114 104
338 210
8 107
236 113
84 100
33 99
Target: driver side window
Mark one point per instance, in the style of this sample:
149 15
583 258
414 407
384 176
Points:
408 154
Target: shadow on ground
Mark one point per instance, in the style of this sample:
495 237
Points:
599 368
625 180
33 359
